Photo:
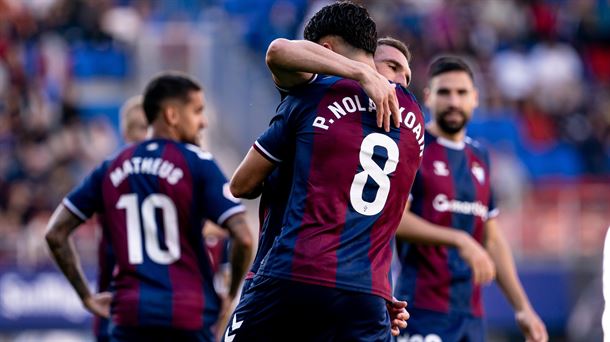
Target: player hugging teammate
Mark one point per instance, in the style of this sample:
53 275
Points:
339 175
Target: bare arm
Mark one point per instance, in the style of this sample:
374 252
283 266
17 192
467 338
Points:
60 227
415 229
241 250
293 62
248 179
509 282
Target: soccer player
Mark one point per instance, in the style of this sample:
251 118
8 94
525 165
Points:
329 267
134 128
153 197
392 61
133 125
454 242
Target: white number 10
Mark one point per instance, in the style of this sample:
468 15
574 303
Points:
129 202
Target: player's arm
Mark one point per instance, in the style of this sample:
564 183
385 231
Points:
60 227
247 181
241 250
497 246
240 257
413 228
293 62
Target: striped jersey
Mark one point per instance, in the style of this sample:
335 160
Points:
350 183
451 189
153 198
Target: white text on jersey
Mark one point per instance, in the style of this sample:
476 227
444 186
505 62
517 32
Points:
442 204
151 166
351 104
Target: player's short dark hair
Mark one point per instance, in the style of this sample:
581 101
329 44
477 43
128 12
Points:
446 64
397 44
346 20
168 85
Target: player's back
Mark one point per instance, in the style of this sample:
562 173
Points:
155 197
350 185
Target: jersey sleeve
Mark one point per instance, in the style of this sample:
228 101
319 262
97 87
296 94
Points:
277 141
86 199
416 193
273 143
218 202
492 210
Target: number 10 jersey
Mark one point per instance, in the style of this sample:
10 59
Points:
350 184
153 198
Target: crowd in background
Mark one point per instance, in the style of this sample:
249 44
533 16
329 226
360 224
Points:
542 70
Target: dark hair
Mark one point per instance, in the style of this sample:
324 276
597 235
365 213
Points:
168 85
397 44
445 64
346 20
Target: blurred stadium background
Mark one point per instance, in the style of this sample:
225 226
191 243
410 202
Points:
543 70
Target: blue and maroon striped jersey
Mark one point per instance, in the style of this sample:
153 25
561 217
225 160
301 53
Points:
451 189
272 208
350 183
153 199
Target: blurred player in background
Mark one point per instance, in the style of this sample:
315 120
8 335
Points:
133 124
153 197
392 61
134 128
333 253
454 242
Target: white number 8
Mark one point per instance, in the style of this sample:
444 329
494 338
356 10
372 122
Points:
379 175
129 202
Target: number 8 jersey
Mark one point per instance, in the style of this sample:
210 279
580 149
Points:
152 200
350 185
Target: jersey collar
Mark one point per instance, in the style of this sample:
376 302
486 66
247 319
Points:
454 145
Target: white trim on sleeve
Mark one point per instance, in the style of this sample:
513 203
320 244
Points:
494 213
230 212
267 152
70 206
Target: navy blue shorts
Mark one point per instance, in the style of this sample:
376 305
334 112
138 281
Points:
284 310
431 326
160 334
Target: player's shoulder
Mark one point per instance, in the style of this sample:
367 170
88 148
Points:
476 146
315 86
195 151
119 155
405 94
316 80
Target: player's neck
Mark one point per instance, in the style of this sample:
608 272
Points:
363 58
164 132
436 131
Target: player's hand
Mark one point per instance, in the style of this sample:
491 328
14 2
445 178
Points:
531 325
383 94
398 315
226 309
99 304
483 267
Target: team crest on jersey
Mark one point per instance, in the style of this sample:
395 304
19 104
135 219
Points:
440 168
478 172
